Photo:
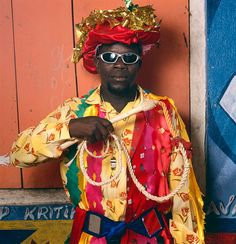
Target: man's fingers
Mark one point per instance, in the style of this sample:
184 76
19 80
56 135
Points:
108 125
97 136
103 131
91 128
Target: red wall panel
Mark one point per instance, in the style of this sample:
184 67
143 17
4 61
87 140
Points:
45 75
10 177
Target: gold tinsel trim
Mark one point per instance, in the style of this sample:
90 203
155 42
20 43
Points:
139 18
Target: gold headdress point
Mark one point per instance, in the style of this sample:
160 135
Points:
130 5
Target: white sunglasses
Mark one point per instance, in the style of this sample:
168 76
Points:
112 57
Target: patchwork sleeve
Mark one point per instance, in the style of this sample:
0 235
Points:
187 223
40 143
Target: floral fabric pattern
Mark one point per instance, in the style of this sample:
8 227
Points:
40 143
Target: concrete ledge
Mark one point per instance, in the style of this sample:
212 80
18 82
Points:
32 197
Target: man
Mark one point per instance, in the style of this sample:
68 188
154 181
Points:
114 202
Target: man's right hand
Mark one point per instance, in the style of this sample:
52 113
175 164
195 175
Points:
91 128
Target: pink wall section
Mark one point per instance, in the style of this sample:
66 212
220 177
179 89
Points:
36 74
10 177
45 75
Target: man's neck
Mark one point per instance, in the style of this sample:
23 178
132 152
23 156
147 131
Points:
119 101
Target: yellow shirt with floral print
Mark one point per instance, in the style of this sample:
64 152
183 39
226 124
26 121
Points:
40 143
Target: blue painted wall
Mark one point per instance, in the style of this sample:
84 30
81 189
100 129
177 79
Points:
221 123
35 223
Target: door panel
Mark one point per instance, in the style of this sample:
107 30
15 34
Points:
45 75
10 177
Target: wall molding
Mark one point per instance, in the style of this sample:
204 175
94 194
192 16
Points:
32 196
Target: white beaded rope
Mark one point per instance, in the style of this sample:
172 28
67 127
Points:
84 171
143 106
142 188
120 146
102 155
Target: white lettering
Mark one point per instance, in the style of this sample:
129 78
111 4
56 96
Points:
4 211
29 213
234 210
72 213
221 209
225 210
50 213
66 212
42 211
57 209
212 208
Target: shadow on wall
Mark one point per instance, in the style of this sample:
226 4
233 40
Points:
170 60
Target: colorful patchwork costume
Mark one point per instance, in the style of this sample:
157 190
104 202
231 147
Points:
118 212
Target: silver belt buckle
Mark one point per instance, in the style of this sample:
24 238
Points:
94 224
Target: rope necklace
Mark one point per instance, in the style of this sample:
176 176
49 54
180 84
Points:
82 147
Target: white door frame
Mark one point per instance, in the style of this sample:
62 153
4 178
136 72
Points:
198 80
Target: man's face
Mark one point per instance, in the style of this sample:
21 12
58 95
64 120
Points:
117 78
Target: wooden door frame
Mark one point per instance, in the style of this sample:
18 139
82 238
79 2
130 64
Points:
198 81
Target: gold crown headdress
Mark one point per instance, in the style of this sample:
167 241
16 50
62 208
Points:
137 24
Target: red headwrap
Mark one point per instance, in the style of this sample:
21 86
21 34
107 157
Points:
110 26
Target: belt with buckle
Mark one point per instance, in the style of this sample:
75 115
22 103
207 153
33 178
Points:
149 224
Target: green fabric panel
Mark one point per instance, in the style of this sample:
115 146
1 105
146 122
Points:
72 177
82 107
72 173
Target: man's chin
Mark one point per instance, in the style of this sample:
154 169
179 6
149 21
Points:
118 89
